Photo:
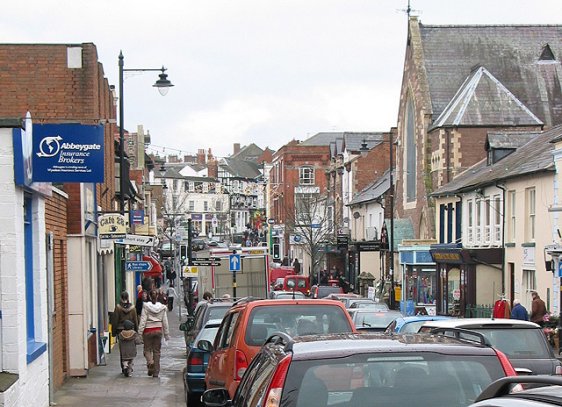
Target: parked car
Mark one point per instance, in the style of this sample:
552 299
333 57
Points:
366 370
344 298
412 324
287 295
546 391
373 320
198 244
248 324
205 311
322 291
197 361
367 303
523 342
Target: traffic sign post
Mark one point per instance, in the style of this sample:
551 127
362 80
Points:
234 262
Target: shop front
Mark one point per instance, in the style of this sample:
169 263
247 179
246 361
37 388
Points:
419 280
465 277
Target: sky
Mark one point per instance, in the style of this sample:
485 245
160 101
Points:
254 71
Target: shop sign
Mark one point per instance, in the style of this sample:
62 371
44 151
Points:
368 247
447 256
112 226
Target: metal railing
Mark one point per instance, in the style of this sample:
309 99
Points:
478 311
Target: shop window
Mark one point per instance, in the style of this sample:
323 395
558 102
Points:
421 285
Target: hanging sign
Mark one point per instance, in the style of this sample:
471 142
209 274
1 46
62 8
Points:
112 226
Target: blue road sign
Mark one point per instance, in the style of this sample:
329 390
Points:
234 261
138 266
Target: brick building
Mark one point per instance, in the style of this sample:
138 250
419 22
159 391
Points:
63 83
298 170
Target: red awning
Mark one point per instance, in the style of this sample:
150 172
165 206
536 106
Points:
156 270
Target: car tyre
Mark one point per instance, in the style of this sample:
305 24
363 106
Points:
192 400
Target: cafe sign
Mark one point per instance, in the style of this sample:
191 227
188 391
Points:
112 226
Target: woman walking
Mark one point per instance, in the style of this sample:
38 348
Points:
153 325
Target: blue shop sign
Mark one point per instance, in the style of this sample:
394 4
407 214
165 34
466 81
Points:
68 153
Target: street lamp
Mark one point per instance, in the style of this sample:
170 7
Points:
364 150
163 85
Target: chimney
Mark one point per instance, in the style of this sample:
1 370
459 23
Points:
213 168
236 148
201 156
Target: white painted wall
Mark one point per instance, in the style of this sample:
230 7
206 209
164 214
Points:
31 389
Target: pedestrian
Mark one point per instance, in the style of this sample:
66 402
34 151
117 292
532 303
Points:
128 341
162 296
142 297
153 325
171 294
124 311
538 309
519 311
296 266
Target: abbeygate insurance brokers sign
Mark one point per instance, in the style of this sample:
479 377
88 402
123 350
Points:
68 153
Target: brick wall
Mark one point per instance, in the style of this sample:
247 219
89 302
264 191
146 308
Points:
55 222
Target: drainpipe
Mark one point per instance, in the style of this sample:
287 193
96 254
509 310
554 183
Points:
503 236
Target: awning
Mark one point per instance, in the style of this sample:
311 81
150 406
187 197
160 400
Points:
156 270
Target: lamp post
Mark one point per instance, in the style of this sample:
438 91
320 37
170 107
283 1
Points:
163 85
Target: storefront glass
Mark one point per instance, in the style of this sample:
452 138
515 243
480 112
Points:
421 285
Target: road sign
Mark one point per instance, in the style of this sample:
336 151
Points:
190 271
137 240
234 261
138 266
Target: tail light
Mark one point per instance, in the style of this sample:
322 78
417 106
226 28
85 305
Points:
240 365
273 394
506 364
558 370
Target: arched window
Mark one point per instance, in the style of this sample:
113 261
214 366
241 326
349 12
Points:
411 170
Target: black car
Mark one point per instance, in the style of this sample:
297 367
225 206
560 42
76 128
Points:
546 391
205 311
363 370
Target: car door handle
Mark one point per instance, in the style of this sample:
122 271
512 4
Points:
522 371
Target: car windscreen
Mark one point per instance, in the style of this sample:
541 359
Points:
294 320
390 379
366 320
517 343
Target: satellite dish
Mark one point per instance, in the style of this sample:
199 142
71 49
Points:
356 215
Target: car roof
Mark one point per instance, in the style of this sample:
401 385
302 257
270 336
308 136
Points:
304 301
346 344
374 310
481 322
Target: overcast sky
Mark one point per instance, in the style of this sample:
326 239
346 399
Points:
262 71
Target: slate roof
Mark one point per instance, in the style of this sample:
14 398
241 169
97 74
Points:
353 141
482 100
373 191
250 152
533 157
508 139
241 168
512 54
322 139
403 230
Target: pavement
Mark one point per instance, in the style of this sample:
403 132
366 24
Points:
106 386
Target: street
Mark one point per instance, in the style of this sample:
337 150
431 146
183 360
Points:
106 386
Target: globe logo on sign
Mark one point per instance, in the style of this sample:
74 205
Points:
49 146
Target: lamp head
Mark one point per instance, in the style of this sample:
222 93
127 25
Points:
163 84
364 150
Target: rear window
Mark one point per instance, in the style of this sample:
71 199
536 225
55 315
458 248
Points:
393 379
324 291
294 320
217 312
518 343
373 319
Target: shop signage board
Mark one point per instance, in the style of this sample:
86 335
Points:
112 226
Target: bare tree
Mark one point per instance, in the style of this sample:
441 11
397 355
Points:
312 222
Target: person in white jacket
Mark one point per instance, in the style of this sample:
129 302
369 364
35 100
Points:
153 325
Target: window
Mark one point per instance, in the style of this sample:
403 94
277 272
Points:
306 176
487 221
470 214
497 219
205 206
218 206
512 207
411 163
191 206
530 226
529 281
34 347
478 237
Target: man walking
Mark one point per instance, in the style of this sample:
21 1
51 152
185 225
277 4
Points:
538 309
